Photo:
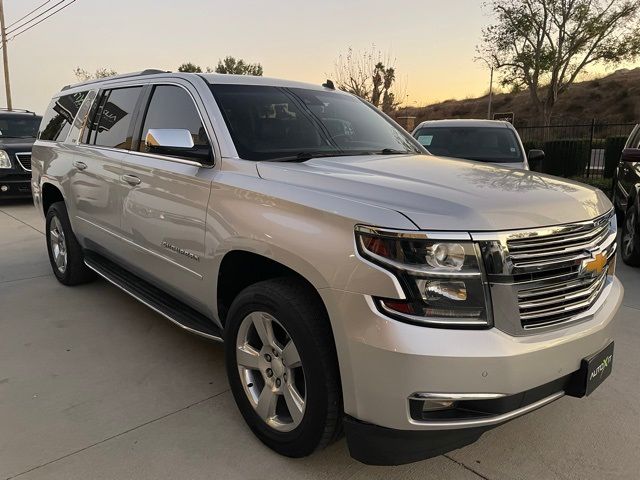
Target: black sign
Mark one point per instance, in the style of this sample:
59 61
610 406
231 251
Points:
505 117
111 114
593 371
68 105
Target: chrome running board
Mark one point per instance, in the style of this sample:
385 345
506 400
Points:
169 307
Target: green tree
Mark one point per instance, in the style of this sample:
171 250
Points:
189 68
83 75
543 45
235 66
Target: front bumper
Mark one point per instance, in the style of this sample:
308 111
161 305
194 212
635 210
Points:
375 445
383 362
15 186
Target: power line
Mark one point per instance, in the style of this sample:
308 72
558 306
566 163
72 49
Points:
9 32
32 11
39 22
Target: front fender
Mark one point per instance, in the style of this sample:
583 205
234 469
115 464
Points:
310 233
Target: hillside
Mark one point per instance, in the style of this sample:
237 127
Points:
614 98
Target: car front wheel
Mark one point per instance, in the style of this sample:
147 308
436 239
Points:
631 237
282 366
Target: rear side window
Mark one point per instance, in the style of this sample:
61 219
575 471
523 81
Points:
172 107
59 117
634 139
112 126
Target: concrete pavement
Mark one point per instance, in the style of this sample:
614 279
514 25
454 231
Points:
95 385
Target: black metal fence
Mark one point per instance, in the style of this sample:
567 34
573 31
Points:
590 150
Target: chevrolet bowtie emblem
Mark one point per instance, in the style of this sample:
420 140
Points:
595 265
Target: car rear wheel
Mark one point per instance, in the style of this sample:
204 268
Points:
65 253
631 237
282 366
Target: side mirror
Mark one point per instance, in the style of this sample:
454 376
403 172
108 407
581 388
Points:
176 143
631 155
535 158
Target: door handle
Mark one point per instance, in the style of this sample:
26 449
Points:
131 179
80 165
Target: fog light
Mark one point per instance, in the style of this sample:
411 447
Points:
4 188
435 405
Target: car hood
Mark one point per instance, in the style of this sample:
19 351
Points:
509 164
514 164
445 194
17 144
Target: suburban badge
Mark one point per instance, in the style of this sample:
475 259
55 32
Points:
181 251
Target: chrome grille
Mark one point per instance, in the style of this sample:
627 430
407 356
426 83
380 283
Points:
558 302
546 277
24 159
560 272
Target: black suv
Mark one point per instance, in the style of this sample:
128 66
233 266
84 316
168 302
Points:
627 200
18 130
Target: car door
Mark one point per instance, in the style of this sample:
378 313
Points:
629 171
164 207
96 183
60 125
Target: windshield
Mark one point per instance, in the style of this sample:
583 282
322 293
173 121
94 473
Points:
19 126
487 144
270 123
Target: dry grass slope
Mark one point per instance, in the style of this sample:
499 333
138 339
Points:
614 98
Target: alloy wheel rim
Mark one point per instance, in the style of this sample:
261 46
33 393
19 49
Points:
628 238
271 371
58 244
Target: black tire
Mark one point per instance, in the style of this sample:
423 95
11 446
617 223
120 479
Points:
303 317
75 272
631 236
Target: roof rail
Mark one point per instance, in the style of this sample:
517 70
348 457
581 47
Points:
148 71
17 110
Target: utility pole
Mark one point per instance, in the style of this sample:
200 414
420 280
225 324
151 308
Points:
490 90
5 57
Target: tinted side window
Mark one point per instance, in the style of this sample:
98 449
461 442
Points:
634 141
59 117
173 107
114 118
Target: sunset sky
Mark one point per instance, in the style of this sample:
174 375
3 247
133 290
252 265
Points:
432 41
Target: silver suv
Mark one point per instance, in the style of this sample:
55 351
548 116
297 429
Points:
358 283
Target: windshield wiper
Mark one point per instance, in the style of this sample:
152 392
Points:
304 156
391 151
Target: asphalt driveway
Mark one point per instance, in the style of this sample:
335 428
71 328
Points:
93 385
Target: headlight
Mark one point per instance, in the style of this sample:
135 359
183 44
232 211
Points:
5 161
442 279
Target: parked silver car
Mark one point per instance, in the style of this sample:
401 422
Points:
482 140
356 281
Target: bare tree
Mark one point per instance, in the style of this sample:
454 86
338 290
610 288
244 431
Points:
371 76
83 75
543 45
